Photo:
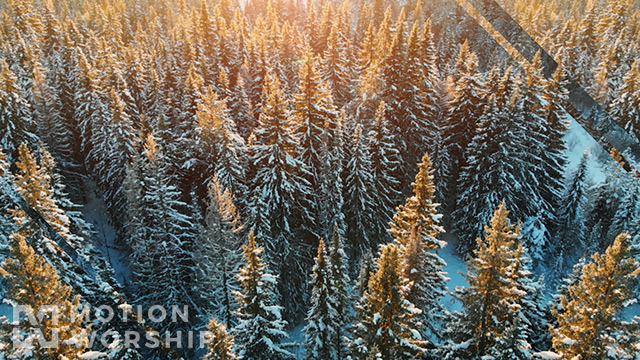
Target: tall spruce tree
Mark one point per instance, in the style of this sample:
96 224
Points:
260 327
322 317
415 228
492 323
32 282
387 321
16 124
219 253
589 321
279 205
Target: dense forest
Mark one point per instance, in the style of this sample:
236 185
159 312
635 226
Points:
285 164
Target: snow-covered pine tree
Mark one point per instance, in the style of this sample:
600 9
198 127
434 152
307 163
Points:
322 316
386 165
92 110
31 281
114 145
280 192
223 150
465 108
542 131
415 228
161 232
571 229
220 252
387 320
336 67
359 203
488 156
313 110
625 107
260 328
492 322
220 344
341 291
589 321
16 124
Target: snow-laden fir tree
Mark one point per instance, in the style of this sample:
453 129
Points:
336 69
571 229
386 165
465 108
16 124
219 253
161 231
31 281
387 320
341 291
486 179
492 323
223 150
322 317
625 108
415 228
590 321
279 200
313 111
220 342
260 326
359 198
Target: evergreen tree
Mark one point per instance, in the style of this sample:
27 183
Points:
589 322
279 208
341 291
312 109
359 201
492 322
624 107
465 109
260 327
220 344
162 233
571 235
16 124
415 228
386 164
219 252
320 331
387 321
32 282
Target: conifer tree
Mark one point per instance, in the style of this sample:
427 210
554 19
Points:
589 322
387 319
465 108
224 151
320 331
341 291
415 228
571 234
260 327
279 205
16 124
162 232
220 342
313 109
386 165
359 201
492 322
219 252
624 107
32 282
